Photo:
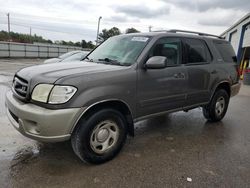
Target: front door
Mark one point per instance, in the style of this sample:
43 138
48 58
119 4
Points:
161 90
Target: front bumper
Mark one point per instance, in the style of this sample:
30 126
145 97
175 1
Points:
40 123
235 88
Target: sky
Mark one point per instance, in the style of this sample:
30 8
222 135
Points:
77 19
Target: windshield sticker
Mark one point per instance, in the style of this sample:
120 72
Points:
140 39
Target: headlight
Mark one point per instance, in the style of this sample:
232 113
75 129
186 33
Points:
41 92
53 94
61 94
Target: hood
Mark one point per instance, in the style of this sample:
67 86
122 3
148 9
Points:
50 73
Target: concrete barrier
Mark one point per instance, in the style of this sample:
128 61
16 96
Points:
16 50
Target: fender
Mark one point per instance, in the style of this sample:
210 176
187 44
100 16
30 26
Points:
217 85
128 117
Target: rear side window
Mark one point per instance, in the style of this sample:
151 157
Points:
226 51
197 51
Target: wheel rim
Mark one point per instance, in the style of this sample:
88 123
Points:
220 106
104 136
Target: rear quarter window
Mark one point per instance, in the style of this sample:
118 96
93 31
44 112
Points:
226 51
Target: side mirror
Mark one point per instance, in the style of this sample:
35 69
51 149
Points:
156 62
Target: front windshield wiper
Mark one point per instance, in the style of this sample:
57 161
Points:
87 58
110 61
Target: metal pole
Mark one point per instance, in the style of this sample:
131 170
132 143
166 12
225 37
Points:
30 35
98 26
8 15
149 28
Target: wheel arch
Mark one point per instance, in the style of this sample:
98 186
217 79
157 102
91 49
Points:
116 104
222 85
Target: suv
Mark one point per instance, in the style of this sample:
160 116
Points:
95 103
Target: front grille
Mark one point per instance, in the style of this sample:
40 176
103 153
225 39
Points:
20 87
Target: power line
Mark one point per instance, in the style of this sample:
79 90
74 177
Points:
51 30
69 21
49 18
51 22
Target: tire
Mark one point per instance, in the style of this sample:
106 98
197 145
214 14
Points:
217 108
100 137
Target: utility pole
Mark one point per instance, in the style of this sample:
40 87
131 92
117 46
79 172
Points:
30 35
149 28
98 26
8 15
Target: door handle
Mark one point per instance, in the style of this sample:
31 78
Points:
179 75
214 72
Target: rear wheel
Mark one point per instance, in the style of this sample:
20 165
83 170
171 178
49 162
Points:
100 137
217 108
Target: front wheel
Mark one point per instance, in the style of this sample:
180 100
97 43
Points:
217 108
100 137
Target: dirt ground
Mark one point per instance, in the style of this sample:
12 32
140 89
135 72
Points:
164 152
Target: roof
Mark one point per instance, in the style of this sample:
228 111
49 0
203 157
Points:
236 24
176 33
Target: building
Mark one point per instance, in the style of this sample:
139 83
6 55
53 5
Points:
239 36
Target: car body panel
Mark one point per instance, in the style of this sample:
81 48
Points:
159 90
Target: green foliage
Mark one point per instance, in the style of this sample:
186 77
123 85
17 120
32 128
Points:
132 30
89 44
105 34
25 38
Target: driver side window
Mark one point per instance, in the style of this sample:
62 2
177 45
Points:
169 48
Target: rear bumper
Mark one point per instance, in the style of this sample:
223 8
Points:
40 123
235 88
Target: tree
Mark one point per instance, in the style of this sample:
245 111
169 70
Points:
86 44
26 38
90 45
132 30
50 41
109 33
78 44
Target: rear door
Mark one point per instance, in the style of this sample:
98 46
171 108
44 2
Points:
198 65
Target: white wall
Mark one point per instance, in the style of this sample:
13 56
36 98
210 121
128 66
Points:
246 41
236 41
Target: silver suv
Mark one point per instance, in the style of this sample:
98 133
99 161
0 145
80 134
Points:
95 102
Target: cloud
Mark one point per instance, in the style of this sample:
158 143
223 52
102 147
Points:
142 11
214 22
121 19
77 19
117 18
204 5
218 17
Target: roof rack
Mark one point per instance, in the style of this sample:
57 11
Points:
191 32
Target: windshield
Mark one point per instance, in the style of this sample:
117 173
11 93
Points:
119 50
63 56
76 57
